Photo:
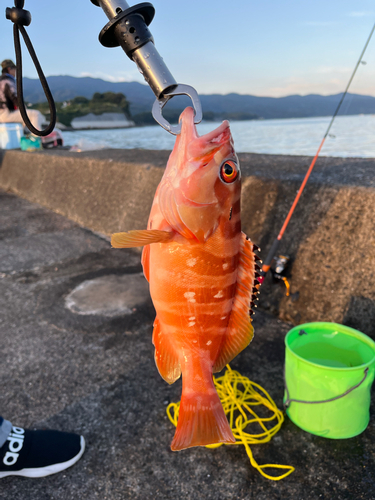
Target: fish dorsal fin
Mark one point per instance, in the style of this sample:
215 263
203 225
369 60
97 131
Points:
139 238
165 357
240 330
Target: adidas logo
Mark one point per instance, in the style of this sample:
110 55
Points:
15 439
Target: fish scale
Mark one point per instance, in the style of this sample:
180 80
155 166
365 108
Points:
199 292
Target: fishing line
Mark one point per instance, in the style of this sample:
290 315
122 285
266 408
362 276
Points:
273 250
238 395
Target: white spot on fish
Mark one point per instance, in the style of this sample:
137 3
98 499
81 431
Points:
190 296
191 262
192 318
209 342
195 341
225 266
223 317
219 295
192 323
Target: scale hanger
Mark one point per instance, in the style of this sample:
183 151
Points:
128 28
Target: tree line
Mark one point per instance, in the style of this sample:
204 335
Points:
108 102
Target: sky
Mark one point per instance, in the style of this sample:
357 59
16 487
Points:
260 47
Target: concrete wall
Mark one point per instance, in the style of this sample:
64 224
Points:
330 239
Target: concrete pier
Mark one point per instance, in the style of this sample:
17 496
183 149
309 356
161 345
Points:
330 239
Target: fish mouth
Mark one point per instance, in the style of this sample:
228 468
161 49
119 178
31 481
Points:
188 197
204 148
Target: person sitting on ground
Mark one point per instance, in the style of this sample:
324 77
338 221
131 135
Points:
9 111
37 453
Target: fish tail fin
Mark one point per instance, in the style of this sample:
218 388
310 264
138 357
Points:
201 421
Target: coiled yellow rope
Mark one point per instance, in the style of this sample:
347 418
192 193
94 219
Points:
238 394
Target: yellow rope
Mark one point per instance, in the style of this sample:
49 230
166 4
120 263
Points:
238 394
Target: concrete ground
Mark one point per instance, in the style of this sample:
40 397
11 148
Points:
83 362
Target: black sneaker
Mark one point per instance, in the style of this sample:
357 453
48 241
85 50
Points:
39 453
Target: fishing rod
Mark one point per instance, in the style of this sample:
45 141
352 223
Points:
272 252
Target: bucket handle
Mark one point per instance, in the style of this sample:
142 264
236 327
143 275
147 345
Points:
290 400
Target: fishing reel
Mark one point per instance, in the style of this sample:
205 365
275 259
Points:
128 28
279 272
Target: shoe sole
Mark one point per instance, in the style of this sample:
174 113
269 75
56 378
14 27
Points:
50 469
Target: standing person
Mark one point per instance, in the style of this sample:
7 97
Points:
39 453
9 111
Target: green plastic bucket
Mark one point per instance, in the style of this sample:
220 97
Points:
329 370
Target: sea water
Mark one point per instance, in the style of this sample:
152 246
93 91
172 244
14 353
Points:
322 353
350 136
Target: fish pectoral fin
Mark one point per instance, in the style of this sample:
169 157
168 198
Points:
165 357
240 330
140 238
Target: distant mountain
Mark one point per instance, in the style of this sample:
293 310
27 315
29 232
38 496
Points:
216 105
293 106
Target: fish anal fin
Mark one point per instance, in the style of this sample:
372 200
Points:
240 330
146 262
165 357
140 238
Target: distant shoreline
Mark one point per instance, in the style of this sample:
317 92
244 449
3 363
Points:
219 120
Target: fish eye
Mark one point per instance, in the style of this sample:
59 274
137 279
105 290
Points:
229 171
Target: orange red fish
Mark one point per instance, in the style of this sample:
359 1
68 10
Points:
202 274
